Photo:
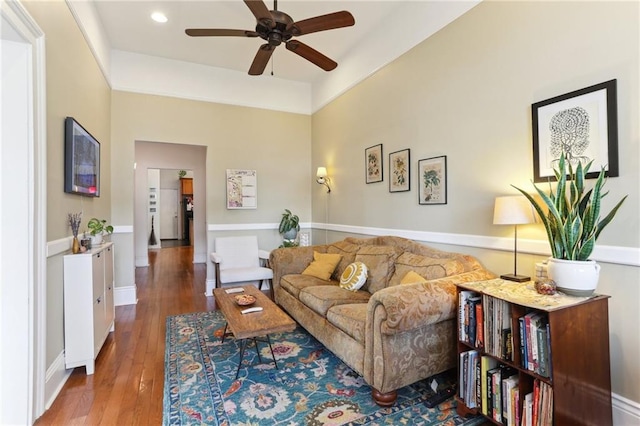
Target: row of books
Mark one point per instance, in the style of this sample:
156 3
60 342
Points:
493 388
490 386
537 406
485 322
535 347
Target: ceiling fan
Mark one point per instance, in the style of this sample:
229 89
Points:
277 27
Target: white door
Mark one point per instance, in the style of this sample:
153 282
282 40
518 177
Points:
168 214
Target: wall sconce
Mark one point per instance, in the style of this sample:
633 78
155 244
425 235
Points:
322 178
513 210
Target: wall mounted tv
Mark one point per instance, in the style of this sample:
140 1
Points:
81 160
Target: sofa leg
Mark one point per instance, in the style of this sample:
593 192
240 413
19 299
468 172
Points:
384 399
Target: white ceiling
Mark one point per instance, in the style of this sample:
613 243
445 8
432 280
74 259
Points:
381 32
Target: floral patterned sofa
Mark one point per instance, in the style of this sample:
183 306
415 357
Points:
392 334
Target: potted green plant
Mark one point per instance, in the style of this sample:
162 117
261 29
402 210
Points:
289 225
97 228
571 218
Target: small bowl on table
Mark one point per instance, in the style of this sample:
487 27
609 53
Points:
245 299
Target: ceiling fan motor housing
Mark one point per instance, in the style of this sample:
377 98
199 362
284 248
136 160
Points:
278 33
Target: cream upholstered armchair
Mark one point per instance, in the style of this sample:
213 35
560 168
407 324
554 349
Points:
239 260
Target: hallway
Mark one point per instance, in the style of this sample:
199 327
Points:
127 387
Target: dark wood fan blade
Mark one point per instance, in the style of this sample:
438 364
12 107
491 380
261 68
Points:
214 32
260 11
312 55
261 60
322 23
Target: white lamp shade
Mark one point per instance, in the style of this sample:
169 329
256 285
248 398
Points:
322 172
513 210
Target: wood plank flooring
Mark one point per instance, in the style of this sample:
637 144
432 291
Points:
127 387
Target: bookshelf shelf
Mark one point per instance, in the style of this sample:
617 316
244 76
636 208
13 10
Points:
555 348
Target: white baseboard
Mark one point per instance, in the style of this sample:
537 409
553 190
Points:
200 258
142 261
625 411
125 295
210 285
55 379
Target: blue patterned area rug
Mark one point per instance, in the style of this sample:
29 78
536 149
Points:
310 387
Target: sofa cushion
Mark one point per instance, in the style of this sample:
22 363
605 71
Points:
412 277
354 277
379 261
323 265
347 251
293 283
321 298
427 267
349 318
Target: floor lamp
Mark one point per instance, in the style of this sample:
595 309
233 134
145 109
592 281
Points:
513 210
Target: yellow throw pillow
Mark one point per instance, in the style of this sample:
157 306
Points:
323 265
354 276
412 277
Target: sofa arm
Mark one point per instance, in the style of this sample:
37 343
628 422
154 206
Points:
291 260
411 306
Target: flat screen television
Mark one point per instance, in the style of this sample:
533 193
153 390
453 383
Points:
81 160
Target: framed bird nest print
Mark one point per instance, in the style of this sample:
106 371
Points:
583 124
373 164
399 171
432 180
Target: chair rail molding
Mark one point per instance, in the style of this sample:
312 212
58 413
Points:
629 256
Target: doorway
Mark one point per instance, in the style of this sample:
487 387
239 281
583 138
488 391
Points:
172 158
22 230
168 214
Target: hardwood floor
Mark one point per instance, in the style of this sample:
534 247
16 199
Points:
127 387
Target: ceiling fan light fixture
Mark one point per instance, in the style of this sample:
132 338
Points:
159 17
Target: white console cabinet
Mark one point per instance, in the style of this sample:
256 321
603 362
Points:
88 305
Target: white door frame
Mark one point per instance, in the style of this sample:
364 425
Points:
30 261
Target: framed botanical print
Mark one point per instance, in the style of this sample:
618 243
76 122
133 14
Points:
373 164
583 124
399 171
432 180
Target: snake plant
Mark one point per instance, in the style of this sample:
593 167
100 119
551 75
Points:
572 219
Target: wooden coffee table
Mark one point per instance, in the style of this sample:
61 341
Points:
245 327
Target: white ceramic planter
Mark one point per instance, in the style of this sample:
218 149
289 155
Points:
574 277
96 240
290 234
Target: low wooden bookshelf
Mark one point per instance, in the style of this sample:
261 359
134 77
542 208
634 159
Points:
567 360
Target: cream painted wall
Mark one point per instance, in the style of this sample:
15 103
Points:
466 93
77 88
276 144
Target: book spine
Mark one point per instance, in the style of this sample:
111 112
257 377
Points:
523 342
479 325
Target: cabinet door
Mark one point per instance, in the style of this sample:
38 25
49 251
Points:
187 186
108 284
99 318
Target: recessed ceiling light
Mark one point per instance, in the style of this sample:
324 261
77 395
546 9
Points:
159 17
